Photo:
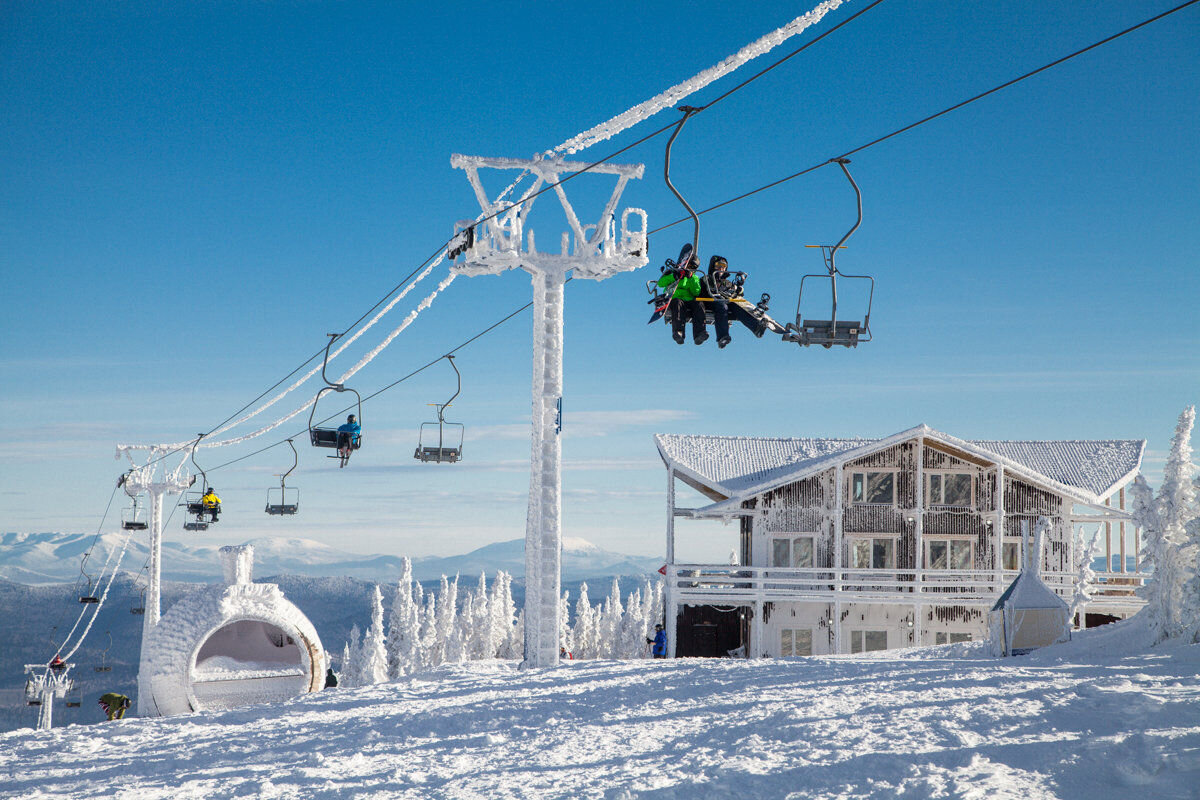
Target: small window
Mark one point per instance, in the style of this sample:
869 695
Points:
950 553
872 553
873 488
792 551
950 489
942 637
1012 555
795 642
867 641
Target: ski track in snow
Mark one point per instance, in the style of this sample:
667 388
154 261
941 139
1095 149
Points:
934 723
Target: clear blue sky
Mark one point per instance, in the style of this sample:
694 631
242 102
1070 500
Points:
193 194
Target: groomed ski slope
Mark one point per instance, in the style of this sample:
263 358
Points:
1081 720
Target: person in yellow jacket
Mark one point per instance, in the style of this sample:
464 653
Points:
114 705
212 503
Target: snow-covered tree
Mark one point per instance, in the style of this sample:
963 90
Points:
632 638
565 640
352 659
584 633
477 645
503 616
1170 524
374 648
610 626
404 627
1085 552
430 656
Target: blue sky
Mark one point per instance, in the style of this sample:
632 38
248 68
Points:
193 194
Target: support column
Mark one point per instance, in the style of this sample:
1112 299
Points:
153 608
838 523
756 631
46 712
543 533
998 534
919 533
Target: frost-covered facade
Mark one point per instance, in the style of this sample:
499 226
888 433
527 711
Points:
229 645
849 545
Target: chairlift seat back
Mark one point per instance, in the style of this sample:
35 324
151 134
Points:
439 454
328 437
134 526
195 526
281 509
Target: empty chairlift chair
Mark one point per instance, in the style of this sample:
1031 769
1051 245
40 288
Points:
808 331
442 441
288 499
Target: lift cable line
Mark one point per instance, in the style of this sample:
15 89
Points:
932 117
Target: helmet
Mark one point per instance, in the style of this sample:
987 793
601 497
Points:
717 263
658 627
350 418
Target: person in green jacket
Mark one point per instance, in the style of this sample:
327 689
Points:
686 288
114 705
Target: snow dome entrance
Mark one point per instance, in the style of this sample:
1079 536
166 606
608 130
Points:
248 661
230 645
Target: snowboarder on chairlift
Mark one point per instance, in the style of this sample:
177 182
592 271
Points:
718 286
659 650
57 664
685 287
211 503
347 434
114 705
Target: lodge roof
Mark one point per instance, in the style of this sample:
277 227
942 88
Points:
737 467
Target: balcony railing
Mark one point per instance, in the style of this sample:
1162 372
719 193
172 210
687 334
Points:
734 583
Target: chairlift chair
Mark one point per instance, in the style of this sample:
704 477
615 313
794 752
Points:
130 516
104 666
833 331
138 605
87 596
330 437
193 502
74 698
449 447
33 691
283 507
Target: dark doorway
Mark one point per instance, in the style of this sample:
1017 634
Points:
1092 620
708 632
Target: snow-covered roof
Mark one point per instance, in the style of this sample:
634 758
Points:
1028 591
738 467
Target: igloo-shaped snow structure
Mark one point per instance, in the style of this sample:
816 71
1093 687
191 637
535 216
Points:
230 645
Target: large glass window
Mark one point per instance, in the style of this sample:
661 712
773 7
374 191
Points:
867 641
873 487
872 553
795 642
942 637
792 551
950 489
949 553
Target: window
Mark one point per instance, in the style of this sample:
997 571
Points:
949 553
872 553
795 642
950 489
793 551
873 487
867 641
1012 555
941 637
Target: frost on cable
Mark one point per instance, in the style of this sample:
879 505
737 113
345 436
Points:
229 645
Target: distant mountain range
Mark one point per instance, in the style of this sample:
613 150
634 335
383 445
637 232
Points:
44 558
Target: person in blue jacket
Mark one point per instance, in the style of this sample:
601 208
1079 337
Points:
659 650
347 435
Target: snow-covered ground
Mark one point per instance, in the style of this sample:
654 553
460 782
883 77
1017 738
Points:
1082 720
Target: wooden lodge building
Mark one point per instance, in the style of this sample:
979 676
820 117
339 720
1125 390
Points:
851 545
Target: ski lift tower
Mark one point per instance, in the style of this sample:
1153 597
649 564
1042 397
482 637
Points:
500 242
147 479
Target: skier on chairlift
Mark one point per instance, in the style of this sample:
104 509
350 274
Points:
684 285
346 435
211 503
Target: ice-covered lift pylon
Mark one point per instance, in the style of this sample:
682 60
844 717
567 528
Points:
501 240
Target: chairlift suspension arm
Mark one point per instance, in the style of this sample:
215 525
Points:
687 113
833 273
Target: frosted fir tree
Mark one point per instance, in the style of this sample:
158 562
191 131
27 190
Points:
374 649
478 642
343 675
504 615
584 633
1085 575
632 639
610 626
457 641
514 646
404 626
352 659
430 655
565 639
1170 530
447 610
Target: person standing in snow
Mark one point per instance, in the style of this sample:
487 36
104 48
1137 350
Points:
212 503
114 705
347 435
683 296
659 650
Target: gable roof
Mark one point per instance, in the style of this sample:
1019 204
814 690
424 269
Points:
736 468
